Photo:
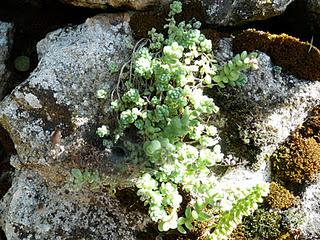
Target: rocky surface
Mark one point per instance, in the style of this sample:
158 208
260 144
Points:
36 211
135 4
237 12
311 208
266 109
6 34
59 97
53 115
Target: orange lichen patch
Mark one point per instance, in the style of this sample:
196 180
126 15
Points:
297 161
279 197
300 58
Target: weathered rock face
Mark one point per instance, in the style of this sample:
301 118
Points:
311 209
135 4
59 96
37 211
6 34
266 109
236 12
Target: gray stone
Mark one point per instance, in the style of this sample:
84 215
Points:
38 209
237 12
60 96
6 34
261 114
310 226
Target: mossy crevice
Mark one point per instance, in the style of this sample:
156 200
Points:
300 58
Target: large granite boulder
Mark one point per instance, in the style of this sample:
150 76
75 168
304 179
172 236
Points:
59 98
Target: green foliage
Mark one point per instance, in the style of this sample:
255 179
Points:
230 73
113 67
102 94
103 131
164 100
243 207
22 63
80 179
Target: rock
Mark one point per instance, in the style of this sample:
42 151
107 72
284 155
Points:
237 12
313 16
38 211
311 208
135 4
261 114
60 96
6 34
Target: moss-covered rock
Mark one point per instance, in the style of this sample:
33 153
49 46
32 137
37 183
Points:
300 58
297 161
279 197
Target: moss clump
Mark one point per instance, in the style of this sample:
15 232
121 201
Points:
263 225
311 128
238 234
300 58
285 236
279 197
297 161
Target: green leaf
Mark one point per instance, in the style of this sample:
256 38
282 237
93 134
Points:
189 225
188 213
76 173
194 214
181 230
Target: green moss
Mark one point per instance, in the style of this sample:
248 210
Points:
263 225
279 197
297 161
300 58
285 236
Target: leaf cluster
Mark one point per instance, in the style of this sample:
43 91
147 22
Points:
164 100
80 179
